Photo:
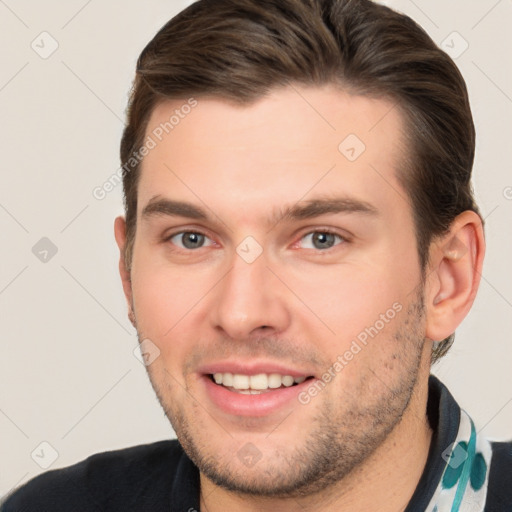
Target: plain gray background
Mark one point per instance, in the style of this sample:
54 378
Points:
69 376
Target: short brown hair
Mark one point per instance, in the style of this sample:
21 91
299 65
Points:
240 50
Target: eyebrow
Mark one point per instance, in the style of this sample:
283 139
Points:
167 207
310 209
322 206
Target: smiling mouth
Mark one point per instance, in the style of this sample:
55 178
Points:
255 384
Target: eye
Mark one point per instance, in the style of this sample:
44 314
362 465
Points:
190 240
321 240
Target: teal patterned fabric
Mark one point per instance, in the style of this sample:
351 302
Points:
463 486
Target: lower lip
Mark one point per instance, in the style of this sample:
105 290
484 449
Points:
262 404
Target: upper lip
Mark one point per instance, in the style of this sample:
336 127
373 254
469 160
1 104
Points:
251 368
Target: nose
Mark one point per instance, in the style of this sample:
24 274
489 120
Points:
249 300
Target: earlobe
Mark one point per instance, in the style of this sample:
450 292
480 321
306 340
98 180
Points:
454 275
120 236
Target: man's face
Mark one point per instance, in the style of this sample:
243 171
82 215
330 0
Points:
287 253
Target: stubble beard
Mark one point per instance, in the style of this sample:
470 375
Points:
339 440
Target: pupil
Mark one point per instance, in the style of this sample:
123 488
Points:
323 240
193 240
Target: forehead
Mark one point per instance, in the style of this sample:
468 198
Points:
290 145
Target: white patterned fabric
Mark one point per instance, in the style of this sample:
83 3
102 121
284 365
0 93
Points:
463 486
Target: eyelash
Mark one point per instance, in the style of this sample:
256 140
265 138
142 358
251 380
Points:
189 231
344 239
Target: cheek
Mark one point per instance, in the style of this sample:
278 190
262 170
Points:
164 297
163 305
354 311
347 298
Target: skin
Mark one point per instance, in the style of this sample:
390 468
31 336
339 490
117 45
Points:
361 444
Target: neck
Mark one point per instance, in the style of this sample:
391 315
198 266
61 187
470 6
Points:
385 482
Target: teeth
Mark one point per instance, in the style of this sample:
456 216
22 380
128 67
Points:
259 381
240 381
288 380
274 380
226 379
255 383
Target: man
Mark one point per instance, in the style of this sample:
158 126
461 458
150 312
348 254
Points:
300 244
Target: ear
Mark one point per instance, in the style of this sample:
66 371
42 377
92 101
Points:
120 235
453 275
